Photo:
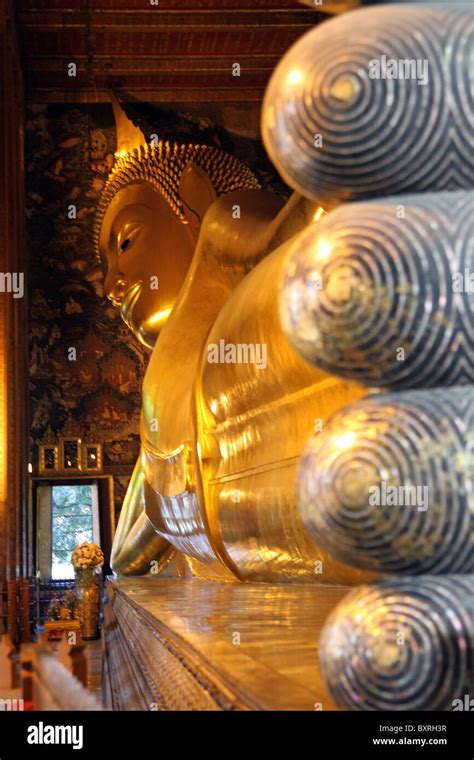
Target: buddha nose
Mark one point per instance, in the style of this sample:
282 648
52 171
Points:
115 291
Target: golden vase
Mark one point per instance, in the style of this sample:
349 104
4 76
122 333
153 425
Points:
88 601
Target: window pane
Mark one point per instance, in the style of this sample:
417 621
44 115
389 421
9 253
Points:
72 525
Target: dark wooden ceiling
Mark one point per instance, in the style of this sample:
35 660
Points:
178 51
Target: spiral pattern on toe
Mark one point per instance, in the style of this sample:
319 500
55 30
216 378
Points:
334 132
389 484
383 292
402 645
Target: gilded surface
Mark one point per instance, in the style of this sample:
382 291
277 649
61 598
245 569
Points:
213 480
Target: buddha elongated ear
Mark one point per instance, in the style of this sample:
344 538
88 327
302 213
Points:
197 193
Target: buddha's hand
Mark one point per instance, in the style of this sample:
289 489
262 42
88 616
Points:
138 549
376 105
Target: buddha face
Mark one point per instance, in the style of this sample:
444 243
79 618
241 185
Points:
145 251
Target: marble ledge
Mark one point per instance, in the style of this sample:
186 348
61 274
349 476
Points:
248 645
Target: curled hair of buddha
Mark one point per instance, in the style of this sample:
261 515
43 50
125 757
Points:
162 166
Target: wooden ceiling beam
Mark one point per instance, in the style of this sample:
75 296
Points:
185 43
123 65
168 21
168 53
150 95
98 6
180 81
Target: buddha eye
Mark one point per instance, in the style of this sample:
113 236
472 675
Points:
127 236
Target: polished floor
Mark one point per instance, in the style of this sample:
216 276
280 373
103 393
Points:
262 639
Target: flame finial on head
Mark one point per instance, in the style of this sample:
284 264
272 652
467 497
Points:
129 136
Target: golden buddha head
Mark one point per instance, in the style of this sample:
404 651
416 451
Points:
149 216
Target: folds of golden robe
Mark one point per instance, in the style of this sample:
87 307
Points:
226 492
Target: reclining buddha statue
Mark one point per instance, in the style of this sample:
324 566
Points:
213 480
260 460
